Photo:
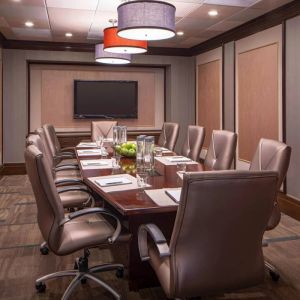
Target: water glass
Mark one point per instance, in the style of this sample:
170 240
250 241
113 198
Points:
116 161
142 179
158 152
181 167
99 142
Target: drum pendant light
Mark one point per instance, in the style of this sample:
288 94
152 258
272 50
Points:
115 44
104 57
146 20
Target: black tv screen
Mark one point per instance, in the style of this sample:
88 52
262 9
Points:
105 99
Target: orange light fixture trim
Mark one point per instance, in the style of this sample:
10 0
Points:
115 44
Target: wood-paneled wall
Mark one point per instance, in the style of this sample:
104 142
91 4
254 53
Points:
51 95
257 98
209 93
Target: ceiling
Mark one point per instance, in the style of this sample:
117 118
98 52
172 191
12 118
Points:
86 19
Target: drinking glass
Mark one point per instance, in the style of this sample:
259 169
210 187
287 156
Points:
181 167
158 152
142 179
116 161
99 142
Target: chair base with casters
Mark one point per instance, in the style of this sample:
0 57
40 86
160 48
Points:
274 273
81 273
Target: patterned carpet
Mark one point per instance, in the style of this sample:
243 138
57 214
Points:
21 262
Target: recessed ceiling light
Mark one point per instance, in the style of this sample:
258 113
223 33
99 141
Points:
180 33
29 24
16 0
69 34
213 13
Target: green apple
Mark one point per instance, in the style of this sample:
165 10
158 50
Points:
131 152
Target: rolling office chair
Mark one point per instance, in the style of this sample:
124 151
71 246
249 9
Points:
221 150
59 154
272 155
168 136
75 195
66 235
102 128
194 142
215 245
62 174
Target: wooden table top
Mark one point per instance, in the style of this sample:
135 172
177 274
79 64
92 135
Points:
136 201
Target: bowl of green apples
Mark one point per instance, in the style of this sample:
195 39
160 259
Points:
126 149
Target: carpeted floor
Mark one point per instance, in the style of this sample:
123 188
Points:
21 262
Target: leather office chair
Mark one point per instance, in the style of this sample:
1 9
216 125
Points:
215 245
168 136
221 150
59 154
75 195
66 235
64 174
272 155
103 128
194 142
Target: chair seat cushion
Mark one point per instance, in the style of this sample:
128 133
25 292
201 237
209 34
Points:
74 199
84 232
67 161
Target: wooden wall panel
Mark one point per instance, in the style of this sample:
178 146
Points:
257 98
209 93
52 95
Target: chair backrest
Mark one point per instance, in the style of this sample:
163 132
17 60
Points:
37 140
50 209
221 150
169 135
272 155
52 139
103 128
193 142
216 244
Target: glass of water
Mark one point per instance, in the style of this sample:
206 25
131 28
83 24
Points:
142 179
181 167
99 142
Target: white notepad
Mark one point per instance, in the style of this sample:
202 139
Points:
174 194
178 159
87 144
113 181
89 152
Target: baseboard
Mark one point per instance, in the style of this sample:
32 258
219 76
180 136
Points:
289 206
13 169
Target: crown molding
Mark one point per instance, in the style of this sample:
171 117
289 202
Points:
270 19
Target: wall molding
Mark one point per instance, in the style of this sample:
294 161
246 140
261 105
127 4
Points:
13 169
289 206
270 19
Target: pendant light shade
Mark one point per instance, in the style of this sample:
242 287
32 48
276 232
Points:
104 57
146 20
115 44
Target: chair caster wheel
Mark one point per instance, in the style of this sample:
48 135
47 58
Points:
83 281
120 273
40 287
44 250
275 276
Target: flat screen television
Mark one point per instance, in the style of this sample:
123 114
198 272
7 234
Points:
105 99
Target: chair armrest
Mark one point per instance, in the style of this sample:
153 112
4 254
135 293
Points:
66 167
158 238
73 189
95 210
77 188
65 155
68 149
59 182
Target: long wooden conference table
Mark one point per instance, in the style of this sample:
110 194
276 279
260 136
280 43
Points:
135 207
